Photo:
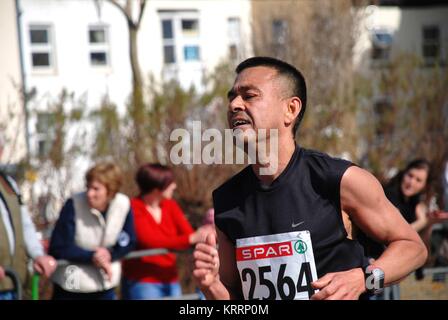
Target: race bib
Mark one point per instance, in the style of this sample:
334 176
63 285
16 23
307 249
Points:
277 267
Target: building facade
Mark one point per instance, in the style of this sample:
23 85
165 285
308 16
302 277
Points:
392 28
83 46
12 112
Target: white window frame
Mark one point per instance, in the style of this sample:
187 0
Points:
47 48
99 47
432 60
180 40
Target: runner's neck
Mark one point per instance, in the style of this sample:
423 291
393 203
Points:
285 152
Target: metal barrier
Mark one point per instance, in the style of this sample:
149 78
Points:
130 255
432 271
134 254
16 282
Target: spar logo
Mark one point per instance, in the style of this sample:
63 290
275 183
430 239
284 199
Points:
300 247
264 251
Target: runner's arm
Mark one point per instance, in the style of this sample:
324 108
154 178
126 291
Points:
363 198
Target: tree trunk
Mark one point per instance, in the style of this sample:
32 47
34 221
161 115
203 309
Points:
138 106
133 54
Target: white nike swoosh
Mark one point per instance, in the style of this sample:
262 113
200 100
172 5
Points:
296 224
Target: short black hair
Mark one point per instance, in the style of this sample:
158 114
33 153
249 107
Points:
152 176
286 70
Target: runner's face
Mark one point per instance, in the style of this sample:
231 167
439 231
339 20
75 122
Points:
255 100
97 196
414 181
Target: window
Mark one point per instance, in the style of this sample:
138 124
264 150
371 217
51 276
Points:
41 47
99 46
190 27
167 29
169 54
234 29
233 52
180 37
191 53
39 36
234 34
279 31
169 50
45 133
41 59
98 58
431 44
381 45
97 35
279 37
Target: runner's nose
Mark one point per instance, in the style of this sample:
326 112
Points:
237 104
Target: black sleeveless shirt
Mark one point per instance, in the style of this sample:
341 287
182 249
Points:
306 196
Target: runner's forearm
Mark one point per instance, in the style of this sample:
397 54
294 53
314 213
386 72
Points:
400 259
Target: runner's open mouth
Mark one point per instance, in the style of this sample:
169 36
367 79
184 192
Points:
239 122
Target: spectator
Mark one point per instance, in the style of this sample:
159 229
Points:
95 229
408 191
18 237
159 223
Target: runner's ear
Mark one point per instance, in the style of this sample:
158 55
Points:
293 110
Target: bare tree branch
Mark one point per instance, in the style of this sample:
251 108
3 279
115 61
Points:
126 12
142 9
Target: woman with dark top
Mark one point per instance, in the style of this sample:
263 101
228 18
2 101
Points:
408 191
94 230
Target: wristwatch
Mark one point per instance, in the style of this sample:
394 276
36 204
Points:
374 279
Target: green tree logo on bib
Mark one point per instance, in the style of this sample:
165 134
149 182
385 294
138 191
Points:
300 246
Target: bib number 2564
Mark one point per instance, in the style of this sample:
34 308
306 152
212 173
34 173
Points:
285 285
279 266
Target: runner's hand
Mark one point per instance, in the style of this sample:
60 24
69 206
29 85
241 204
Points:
200 235
206 262
345 285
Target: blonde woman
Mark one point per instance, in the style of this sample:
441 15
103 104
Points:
94 230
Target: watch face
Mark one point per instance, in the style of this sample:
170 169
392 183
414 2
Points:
374 280
378 273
